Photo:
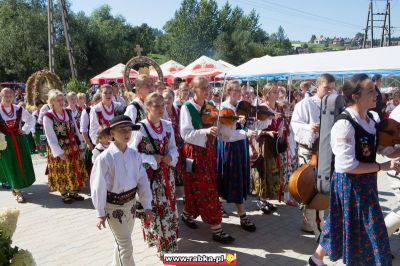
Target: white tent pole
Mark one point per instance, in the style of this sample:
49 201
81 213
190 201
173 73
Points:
289 84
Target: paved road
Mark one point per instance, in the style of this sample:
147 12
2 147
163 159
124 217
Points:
59 234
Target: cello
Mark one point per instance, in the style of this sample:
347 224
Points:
302 186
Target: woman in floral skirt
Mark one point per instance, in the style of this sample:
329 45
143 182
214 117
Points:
156 142
65 168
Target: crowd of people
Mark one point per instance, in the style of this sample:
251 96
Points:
140 154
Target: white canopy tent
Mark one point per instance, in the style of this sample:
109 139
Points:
203 66
228 65
383 60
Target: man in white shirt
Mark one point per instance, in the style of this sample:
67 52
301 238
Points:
392 220
305 125
144 85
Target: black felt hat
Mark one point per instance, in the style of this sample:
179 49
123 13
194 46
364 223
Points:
112 83
178 81
121 121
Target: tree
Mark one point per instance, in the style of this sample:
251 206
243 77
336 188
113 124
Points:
280 34
278 44
313 38
23 42
192 31
240 37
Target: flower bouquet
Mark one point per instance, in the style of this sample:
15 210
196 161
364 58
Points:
3 143
11 255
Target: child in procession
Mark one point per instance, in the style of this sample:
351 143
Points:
117 175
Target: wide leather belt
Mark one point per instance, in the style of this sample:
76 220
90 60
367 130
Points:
122 198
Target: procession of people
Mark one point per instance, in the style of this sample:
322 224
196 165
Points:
206 145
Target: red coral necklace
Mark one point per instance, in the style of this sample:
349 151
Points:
111 112
158 129
9 114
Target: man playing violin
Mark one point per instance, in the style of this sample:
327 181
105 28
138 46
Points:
201 194
305 124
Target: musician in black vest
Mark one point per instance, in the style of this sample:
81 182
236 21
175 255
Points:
354 229
144 85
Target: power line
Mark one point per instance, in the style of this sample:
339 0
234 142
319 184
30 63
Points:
267 5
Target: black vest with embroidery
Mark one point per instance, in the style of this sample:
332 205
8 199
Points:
5 127
365 143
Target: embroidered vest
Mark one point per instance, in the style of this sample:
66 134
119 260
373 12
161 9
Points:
102 120
64 130
366 143
12 126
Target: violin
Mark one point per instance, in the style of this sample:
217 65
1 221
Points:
249 111
389 132
210 113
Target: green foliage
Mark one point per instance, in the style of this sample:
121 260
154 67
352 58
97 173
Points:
278 44
99 41
240 37
103 40
23 42
6 251
76 86
192 31
159 58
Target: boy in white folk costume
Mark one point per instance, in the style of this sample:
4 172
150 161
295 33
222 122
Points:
116 176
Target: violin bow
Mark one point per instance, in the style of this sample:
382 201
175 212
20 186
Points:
220 100
255 122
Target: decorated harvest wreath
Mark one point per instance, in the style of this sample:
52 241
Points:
140 60
39 84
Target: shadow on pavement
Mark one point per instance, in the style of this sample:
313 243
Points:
39 194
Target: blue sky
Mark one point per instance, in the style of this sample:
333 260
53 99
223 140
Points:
299 18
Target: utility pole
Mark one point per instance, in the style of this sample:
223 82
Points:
384 19
51 36
386 36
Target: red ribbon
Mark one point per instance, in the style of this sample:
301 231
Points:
13 132
168 193
71 138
